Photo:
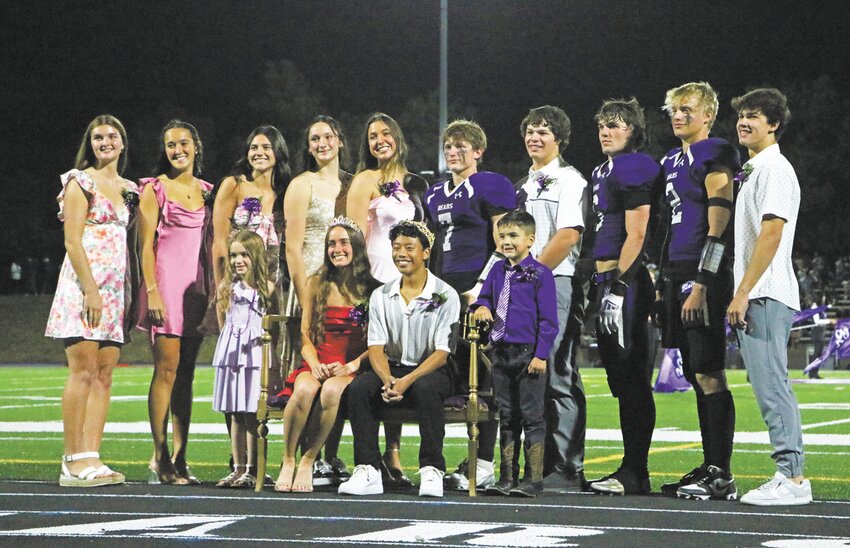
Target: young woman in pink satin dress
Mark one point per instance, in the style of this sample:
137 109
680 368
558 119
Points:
382 194
174 214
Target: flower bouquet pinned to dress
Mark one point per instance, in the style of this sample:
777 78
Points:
245 213
359 313
208 197
390 189
130 197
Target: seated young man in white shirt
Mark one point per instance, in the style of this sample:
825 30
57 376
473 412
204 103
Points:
413 323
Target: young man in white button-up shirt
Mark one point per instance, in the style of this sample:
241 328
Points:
553 193
413 324
767 294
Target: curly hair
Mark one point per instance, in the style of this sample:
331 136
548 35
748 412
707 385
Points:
257 276
354 282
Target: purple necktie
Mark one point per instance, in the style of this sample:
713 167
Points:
498 332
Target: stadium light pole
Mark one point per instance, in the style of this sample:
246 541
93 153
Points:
444 82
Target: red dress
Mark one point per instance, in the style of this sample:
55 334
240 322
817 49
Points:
343 342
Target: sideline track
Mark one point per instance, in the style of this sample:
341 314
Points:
136 515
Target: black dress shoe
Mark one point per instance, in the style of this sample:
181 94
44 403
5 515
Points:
561 483
501 488
528 489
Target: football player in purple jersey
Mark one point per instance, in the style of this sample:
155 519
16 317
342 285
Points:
696 279
622 193
463 212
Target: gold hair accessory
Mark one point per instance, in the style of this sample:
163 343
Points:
422 228
345 221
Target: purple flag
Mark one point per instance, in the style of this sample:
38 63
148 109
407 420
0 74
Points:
807 313
671 377
838 345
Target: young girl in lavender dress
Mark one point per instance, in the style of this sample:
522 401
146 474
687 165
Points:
245 294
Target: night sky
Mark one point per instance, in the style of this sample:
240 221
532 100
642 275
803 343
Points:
144 61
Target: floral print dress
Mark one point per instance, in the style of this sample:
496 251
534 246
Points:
105 242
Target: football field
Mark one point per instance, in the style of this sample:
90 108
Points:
31 430
33 508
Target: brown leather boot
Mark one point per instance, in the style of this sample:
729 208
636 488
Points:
531 486
508 472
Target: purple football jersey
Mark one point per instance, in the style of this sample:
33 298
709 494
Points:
462 218
620 184
686 196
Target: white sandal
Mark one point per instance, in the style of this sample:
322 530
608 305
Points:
88 476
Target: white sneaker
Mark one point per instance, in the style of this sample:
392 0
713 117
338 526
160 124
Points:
364 481
431 482
485 475
780 491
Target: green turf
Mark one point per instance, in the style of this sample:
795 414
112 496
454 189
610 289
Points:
34 393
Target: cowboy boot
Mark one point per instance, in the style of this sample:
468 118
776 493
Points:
532 483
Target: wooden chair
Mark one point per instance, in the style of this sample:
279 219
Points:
473 412
290 335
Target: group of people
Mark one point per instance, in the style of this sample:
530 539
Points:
385 267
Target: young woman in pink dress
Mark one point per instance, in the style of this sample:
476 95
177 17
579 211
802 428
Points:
333 347
382 194
173 298
88 312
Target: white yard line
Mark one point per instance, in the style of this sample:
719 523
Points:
453 431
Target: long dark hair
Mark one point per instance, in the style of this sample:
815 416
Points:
307 160
281 174
163 165
85 154
367 161
354 282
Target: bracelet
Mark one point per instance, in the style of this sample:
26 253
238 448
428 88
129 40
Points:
151 288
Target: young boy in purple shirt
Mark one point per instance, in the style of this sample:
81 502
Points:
518 297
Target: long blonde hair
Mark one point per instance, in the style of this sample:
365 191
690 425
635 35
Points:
257 276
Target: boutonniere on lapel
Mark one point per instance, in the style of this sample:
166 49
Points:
526 274
390 189
543 182
744 174
130 197
359 313
436 301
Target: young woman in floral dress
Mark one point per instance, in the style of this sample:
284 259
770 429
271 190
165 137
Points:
92 294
